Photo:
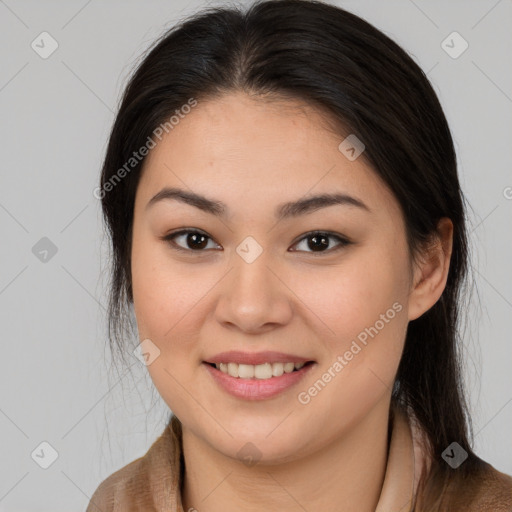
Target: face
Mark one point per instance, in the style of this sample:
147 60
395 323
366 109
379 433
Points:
327 285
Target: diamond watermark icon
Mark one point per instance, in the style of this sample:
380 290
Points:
44 45
146 352
44 455
249 249
454 455
351 147
249 454
44 250
454 45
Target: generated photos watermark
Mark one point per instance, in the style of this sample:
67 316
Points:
305 397
138 156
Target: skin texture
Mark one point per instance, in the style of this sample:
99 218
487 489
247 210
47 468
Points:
328 454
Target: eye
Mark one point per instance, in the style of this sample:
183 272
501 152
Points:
318 241
193 240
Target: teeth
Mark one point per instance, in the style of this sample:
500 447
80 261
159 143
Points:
259 371
263 371
245 371
277 369
232 369
288 367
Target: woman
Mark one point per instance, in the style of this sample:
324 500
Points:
281 191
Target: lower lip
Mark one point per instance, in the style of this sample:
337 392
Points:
257 389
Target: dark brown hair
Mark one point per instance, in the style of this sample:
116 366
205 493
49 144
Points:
326 57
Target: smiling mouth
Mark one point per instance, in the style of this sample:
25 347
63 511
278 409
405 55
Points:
263 371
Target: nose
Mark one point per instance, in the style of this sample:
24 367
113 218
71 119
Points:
253 297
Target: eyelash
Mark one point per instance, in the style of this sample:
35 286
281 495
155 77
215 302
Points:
343 242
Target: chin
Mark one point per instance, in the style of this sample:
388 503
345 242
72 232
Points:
261 451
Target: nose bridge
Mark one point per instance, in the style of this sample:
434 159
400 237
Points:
252 280
253 296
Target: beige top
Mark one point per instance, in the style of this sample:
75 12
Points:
152 483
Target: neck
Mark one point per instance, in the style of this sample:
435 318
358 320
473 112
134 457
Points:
347 474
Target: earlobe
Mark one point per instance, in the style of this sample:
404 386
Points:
431 270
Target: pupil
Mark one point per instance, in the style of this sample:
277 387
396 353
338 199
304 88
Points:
193 237
319 241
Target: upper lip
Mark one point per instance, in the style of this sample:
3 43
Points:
254 358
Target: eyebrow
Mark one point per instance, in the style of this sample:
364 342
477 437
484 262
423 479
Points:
283 211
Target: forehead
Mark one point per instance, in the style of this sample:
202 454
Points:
241 149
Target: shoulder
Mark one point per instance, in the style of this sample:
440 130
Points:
134 486
487 490
116 487
475 487
494 492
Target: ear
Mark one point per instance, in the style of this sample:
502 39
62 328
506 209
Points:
431 270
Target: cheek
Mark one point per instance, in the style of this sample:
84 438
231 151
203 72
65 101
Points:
166 302
362 305
163 291
348 299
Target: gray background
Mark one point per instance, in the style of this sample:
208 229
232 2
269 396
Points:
56 115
